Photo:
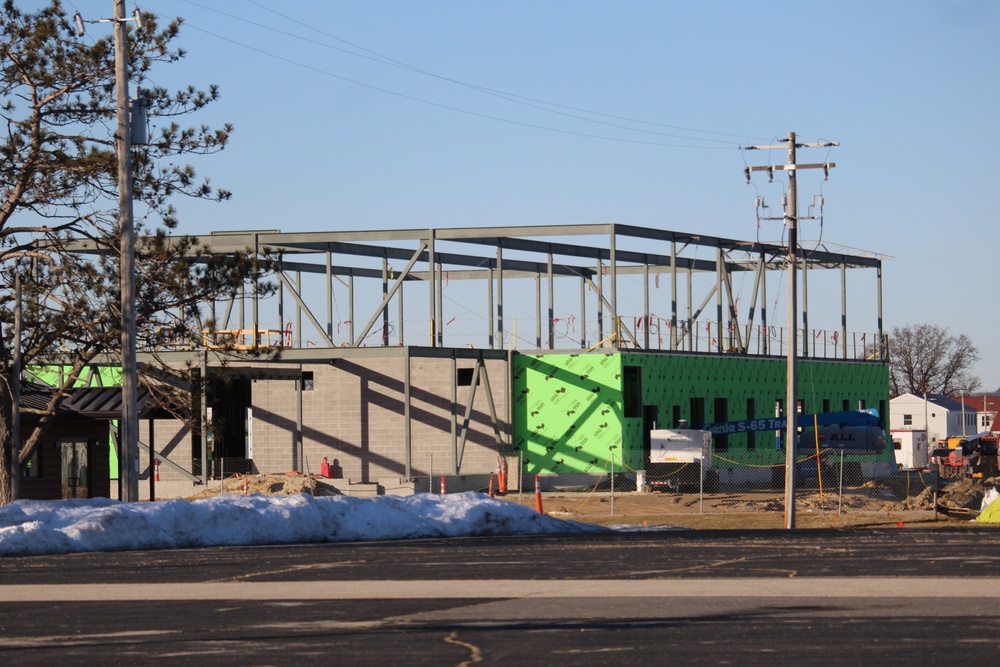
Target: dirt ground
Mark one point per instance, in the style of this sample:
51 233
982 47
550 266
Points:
874 504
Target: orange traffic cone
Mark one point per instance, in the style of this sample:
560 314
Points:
442 485
538 497
502 476
491 486
246 486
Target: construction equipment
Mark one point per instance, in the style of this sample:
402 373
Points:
961 457
851 430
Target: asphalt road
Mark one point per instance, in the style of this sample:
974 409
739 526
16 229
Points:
880 597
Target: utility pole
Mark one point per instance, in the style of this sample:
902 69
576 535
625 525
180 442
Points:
129 423
130 382
791 218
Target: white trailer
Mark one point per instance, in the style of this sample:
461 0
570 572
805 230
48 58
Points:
680 446
910 448
679 457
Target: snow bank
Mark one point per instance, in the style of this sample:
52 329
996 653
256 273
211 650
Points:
33 527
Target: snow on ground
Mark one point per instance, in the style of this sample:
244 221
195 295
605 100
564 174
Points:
36 527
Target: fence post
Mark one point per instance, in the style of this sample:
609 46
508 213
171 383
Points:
613 479
937 484
701 485
520 477
840 494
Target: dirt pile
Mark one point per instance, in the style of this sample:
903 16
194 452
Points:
288 484
961 496
967 493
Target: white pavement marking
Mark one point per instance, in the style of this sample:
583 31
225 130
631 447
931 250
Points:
898 587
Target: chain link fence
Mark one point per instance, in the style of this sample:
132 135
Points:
840 484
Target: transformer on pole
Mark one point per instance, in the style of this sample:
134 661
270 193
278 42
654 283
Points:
791 218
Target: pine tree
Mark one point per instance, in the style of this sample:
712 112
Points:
59 203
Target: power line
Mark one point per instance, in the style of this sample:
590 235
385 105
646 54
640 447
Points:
513 97
542 105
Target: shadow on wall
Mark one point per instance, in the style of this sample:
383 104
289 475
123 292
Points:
385 392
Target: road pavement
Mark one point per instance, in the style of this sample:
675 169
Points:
809 597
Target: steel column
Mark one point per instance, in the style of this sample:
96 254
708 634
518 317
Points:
673 296
843 309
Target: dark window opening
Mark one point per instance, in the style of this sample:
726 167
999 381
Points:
751 414
32 468
697 412
632 392
463 377
722 415
307 381
650 421
229 399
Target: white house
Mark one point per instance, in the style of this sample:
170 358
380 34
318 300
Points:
939 415
986 407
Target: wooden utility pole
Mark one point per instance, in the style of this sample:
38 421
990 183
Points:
791 219
128 462
129 425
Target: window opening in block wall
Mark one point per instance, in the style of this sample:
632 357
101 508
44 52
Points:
463 377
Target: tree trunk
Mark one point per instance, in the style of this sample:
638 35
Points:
7 440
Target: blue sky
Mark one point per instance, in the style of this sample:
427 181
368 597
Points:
629 112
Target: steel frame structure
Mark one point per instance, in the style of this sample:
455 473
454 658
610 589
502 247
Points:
598 256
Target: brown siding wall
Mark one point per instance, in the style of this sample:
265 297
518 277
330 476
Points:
49 485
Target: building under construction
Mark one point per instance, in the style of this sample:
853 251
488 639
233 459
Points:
406 355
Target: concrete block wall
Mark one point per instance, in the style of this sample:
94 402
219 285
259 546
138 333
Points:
171 438
354 416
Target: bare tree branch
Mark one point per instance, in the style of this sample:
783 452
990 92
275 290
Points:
926 358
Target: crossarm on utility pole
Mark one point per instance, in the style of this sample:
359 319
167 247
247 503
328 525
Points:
791 217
